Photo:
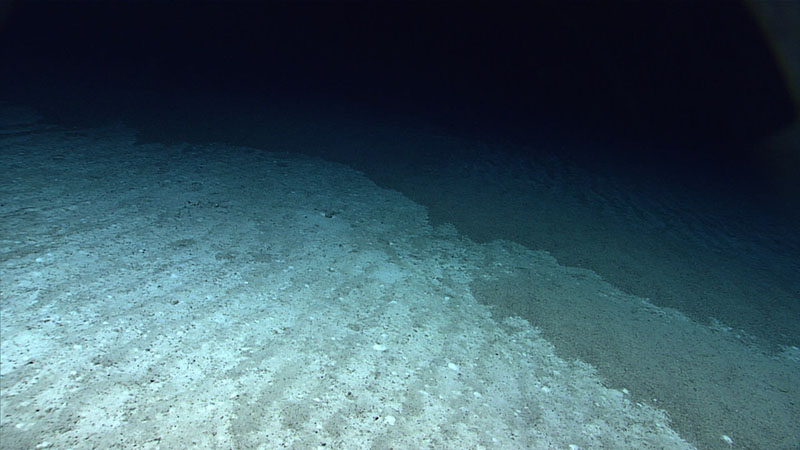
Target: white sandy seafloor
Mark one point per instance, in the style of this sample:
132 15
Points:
218 297
212 296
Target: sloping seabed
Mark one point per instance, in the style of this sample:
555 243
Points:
217 296
214 295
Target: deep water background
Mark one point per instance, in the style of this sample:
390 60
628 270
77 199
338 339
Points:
658 73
